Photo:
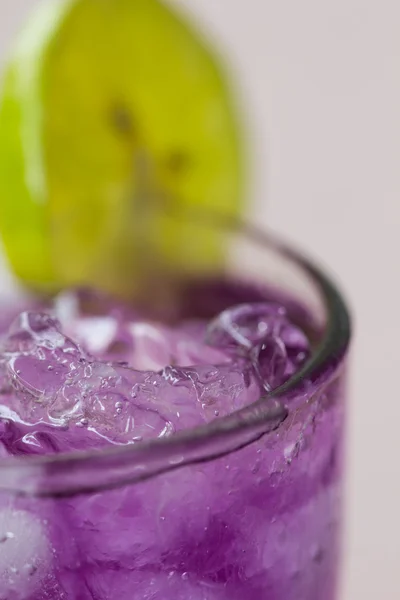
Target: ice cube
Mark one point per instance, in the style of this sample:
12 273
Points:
246 325
72 305
264 333
151 347
188 350
270 362
36 332
220 390
56 382
38 376
121 420
160 536
100 324
37 360
154 585
96 334
297 347
25 553
115 335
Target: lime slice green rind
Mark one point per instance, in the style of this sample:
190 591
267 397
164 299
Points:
22 181
114 113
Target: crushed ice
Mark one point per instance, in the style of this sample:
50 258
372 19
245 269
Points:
109 377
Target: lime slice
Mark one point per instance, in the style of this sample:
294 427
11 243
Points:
114 115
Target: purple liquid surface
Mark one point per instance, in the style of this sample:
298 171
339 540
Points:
260 523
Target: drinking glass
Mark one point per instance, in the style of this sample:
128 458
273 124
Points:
247 506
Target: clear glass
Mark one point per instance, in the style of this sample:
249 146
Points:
247 506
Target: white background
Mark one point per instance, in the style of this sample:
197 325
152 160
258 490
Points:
322 82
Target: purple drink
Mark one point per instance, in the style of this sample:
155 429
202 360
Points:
193 460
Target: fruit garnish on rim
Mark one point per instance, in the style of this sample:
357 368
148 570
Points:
113 116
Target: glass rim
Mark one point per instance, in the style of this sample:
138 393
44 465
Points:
59 473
